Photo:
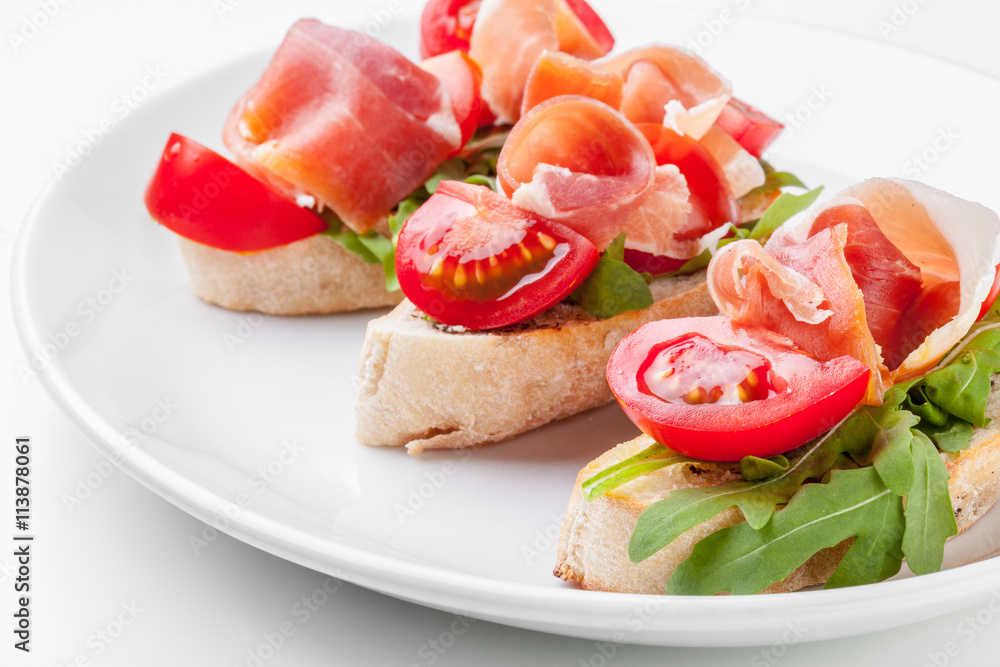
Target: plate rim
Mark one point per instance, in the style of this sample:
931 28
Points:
407 580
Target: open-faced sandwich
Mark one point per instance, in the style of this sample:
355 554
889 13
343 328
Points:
339 130
620 177
832 421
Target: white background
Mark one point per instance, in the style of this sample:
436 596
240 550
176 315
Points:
123 547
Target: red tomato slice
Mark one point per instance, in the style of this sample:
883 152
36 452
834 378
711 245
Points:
204 197
752 129
463 79
446 25
992 297
468 257
718 392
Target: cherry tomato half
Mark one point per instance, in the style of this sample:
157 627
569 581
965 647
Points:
468 257
204 197
463 79
752 129
718 392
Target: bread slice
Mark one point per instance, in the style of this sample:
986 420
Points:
593 544
427 386
313 276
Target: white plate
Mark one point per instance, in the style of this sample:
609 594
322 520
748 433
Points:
196 402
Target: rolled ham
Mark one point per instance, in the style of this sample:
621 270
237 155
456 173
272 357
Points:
344 121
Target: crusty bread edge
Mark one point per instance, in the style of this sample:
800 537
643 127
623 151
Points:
427 388
312 276
593 542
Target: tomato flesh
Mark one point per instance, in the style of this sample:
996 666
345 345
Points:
446 25
463 79
694 370
715 391
712 202
992 297
204 197
470 258
752 129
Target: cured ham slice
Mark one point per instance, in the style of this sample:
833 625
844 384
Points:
580 162
556 74
345 120
888 281
892 272
743 171
671 86
510 35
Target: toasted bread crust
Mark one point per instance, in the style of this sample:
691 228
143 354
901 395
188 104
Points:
427 388
593 544
313 276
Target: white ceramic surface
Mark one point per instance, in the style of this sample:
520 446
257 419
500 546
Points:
246 422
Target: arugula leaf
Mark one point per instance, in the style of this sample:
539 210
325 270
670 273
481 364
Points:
742 560
608 480
663 521
776 180
892 454
963 387
919 404
954 436
783 208
756 469
613 286
930 519
351 240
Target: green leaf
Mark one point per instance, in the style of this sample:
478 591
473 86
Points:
663 521
891 454
930 519
351 240
613 286
919 404
953 437
963 387
783 208
775 180
741 560
756 469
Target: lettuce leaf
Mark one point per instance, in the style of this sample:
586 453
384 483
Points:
613 286
743 560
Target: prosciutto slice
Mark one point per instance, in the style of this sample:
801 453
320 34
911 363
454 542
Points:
892 272
556 74
578 161
669 85
344 120
510 35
